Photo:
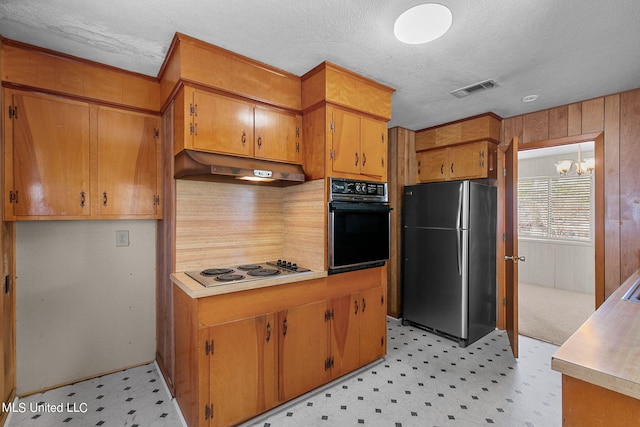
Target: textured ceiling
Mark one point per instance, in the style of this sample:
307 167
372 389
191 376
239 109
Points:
564 51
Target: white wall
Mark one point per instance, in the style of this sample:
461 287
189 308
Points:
84 306
557 265
563 265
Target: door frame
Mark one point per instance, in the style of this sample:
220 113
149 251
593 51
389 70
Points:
599 243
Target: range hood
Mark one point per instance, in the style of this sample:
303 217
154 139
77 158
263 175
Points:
198 165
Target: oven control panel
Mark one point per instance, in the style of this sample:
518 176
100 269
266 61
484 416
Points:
354 190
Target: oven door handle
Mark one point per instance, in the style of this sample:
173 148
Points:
359 207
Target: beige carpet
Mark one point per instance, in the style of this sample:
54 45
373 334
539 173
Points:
550 314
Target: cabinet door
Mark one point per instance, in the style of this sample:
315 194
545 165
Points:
345 334
222 124
345 141
242 369
468 161
304 349
433 165
128 163
373 325
8 316
276 135
48 154
373 145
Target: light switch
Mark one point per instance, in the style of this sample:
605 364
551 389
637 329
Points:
122 238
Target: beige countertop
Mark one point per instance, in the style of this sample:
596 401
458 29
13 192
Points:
605 351
196 290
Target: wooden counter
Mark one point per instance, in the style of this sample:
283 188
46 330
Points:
600 365
196 290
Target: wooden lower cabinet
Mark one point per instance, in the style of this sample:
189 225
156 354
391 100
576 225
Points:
373 325
588 405
240 364
241 354
304 349
358 330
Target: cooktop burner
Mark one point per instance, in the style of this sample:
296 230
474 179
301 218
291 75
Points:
229 277
244 273
263 272
249 267
215 271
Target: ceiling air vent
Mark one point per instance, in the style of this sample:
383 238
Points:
476 87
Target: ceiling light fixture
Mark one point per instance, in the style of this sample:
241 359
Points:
423 23
530 98
563 167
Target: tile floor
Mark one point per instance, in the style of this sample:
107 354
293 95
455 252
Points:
424 381
134 397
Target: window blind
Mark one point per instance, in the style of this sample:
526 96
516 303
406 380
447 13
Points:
533 207
555 207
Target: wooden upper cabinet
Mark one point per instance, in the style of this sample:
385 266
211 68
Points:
472 160
477 128
213 122
277 135
46 156
358 144
221 124
345 141
465 149
64 159
345 127
466 161
431 165
129 156
373 144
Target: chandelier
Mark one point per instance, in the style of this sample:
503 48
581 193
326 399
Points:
565 167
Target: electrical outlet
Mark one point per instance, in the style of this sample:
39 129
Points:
122 238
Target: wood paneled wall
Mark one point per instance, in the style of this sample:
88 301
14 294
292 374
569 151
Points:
618 116
402 171
222 224
305 224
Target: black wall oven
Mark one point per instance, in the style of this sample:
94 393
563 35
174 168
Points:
358 225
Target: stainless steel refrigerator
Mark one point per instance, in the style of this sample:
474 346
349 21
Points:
449 254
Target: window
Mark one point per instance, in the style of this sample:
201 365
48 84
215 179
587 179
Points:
555 207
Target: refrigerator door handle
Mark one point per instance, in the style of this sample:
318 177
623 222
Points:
459 250
459 216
